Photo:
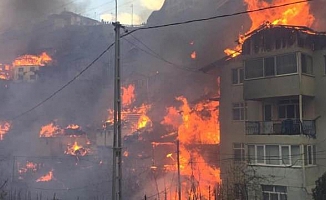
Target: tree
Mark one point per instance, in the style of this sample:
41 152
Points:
319 192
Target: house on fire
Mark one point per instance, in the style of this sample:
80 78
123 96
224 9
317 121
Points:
272 114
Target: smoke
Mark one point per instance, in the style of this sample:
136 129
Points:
18 14
152 5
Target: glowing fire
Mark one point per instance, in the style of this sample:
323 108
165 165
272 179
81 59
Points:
30 166
128 95
5 72
50 130
76 150
196 125
193 55
136 117
32 60
296 15
73 126
4 128
46 178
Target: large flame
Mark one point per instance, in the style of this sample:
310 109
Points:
46 178
128 95
196 125
50 130
295 14
135 116
32 60
4 128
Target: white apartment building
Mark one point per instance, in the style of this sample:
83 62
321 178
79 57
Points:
273 115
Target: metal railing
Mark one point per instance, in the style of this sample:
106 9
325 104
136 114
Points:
281 127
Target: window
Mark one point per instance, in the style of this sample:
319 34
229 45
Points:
274 192
275 65
254 68
20 77
288 109
20 69
269 66
286 64
309 154
32 77
273 155
306 64
237 76
238 152
32 69
239 111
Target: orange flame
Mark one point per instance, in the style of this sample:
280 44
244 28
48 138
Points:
76 150
193 55
196 125
32 60
50 130
128 96
46 178
4 128
30 166
73 126
296 15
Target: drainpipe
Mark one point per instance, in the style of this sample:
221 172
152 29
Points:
304 185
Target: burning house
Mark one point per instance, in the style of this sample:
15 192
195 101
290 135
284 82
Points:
272 114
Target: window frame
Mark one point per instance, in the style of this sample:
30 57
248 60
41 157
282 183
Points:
309 157
242 108
239 76
276 73
274 191
267 162
242 150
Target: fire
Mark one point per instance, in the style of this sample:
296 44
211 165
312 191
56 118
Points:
4 128
135 117
73 126
30 166
128 95
125 153
5 72
76 150
197 125
46 178
32 60
193 55
296 15
50 130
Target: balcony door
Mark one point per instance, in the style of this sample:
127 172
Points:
267 112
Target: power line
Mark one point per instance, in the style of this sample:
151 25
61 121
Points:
215 17
146 28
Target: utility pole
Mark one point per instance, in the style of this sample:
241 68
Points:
117 144
178 162
132 15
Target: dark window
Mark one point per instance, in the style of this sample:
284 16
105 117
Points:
286 64
288 109
33 77
274 192
306 64
20 69
237 76
238 152
32 69
239 111
254 68
309 154
269 66
20 77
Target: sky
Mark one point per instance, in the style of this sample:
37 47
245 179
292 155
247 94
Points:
105 9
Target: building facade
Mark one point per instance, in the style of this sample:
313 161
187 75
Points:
273 114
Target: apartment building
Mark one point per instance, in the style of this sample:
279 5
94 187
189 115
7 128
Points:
273 115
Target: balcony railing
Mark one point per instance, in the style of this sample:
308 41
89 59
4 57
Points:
285 127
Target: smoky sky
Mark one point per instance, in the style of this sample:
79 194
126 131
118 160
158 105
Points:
18 13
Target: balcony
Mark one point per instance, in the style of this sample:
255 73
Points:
285 127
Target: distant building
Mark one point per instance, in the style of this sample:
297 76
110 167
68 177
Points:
70 19
25 73
272 115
